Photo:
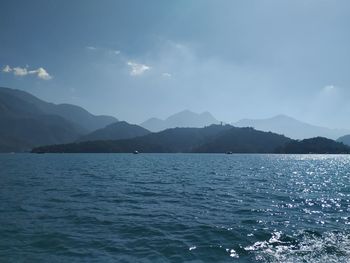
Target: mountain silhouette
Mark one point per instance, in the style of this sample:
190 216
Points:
291 127
344 139
211 139
23 126
27 122
115 131
319 145
72 113
244 140
183 119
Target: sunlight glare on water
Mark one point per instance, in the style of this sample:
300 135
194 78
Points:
175 208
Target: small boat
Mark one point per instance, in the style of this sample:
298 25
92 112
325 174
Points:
229 152
136 152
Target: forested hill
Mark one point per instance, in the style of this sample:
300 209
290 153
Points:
214 138
318 145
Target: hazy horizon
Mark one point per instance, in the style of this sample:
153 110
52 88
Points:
140 59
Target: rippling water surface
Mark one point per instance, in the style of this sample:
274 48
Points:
174 208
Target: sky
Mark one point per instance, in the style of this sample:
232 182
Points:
138 59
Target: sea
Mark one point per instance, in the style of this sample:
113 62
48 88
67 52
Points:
174 208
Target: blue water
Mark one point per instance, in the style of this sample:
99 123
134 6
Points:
174 208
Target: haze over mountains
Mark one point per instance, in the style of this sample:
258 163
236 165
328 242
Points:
27 122
115 131
73 113
344 139
183 119
210 139
291 127
280 124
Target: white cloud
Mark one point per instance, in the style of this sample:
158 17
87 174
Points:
18 71
166 75
7 69
41 73
137 69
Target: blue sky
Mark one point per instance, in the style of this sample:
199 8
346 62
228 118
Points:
140 59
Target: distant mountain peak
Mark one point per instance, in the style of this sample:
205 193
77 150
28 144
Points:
154 119
207 114
344 139
291 127
283 116
184 118
183 113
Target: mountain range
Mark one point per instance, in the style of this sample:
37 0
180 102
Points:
291 127
26 121
344 139
72 113
281 124
210 139
319 145
214 138
183 119
115 131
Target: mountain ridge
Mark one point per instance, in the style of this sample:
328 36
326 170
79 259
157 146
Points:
25 122
291 127
182 119
115 131
70 112
183 140
344 139
318 145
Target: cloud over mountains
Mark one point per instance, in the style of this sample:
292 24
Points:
41 73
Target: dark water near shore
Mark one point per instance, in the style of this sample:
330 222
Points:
174 208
